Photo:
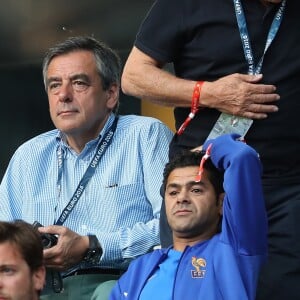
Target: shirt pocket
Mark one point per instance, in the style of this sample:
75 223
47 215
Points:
112 206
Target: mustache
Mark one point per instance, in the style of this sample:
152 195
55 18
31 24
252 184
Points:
181 207
66 108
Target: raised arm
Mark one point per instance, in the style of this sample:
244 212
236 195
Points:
244 216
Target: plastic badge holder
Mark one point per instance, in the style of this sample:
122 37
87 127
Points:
227 123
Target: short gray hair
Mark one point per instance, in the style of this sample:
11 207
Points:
107 60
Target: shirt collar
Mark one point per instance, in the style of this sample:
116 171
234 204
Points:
60 137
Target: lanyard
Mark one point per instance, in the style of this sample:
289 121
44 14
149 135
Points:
227 123
240 16
101 148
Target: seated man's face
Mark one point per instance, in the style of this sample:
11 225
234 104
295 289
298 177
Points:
17 282
193 208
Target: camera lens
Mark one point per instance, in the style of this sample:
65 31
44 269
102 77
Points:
46 242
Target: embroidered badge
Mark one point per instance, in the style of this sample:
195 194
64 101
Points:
199 264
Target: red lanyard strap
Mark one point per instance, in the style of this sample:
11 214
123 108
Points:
194 106
203 160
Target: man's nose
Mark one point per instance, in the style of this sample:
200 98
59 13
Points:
65 93
183 196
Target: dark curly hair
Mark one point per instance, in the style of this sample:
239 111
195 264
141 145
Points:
188 158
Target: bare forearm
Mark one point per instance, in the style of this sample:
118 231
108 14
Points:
158 86
238 94
144 78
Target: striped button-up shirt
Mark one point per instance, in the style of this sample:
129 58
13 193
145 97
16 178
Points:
121 202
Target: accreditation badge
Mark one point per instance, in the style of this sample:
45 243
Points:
227 123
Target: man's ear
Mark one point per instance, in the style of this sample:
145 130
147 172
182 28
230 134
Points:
39 278
112 96
220 203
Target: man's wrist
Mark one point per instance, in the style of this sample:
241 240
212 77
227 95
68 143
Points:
94 251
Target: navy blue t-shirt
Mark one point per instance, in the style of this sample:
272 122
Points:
202 40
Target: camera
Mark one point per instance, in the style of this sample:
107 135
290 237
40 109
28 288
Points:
48 240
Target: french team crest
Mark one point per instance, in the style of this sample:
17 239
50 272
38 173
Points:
199 264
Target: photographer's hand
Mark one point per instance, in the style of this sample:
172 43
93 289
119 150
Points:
69 250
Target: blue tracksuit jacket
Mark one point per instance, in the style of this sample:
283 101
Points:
234 256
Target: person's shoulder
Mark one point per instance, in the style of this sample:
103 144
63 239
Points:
136 121
42 139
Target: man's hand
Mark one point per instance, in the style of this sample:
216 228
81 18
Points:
69 250
241 95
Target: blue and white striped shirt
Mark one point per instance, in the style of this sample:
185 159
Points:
120 204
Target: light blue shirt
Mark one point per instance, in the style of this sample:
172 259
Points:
121 203
164 277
